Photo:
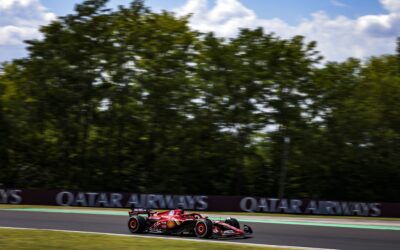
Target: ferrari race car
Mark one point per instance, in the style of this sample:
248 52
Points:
177 222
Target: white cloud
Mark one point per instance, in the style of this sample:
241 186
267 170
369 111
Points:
224 18
391 5
338 3
380 25
338 37
20 20
198 7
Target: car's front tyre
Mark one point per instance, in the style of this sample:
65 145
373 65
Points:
233 222
204 228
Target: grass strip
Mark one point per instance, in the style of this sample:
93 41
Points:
17 239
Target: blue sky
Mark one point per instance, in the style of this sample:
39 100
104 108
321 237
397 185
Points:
294 10
342 28
289 10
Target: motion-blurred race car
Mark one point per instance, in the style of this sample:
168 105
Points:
177 222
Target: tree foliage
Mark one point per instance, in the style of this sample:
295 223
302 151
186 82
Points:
133 100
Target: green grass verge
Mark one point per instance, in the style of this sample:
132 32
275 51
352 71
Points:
17 239
5 206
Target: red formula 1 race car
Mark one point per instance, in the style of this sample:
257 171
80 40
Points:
177 222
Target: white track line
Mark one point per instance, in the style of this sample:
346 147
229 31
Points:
170 238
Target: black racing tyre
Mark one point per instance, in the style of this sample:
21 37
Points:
233 222
137 224
204 228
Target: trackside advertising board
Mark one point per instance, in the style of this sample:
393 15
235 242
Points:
199 202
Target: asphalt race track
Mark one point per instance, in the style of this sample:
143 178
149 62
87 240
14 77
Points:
264 233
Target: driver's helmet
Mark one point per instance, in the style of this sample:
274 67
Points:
178 211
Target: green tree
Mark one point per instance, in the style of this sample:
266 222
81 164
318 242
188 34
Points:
133 100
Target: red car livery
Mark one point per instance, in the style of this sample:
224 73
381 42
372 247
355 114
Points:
177 222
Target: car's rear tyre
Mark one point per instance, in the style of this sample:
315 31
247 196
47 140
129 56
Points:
204 228
233 222
137 224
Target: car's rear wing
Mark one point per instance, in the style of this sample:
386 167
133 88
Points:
137 211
